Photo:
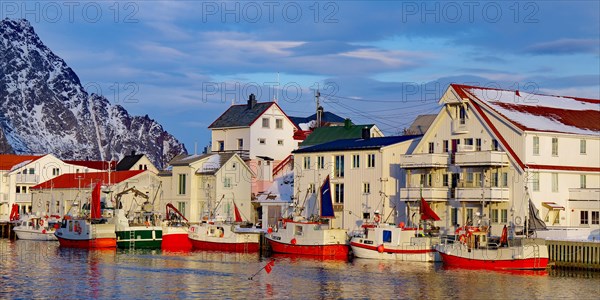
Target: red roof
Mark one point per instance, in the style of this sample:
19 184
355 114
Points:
538 112
7 161
86 180
93 164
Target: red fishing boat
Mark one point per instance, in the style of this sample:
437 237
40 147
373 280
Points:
175 231
310 237
87 232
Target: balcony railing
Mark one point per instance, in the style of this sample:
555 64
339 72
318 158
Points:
494 194
27 178
459 126
429 193
23 198
424 160
481 158
584 194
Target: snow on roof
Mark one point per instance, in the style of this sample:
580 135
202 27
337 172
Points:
212 164
281 190
535 112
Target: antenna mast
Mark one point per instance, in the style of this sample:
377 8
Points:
317 96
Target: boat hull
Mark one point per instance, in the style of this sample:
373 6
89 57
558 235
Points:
514 264
336 250
175 239
426 254
34 235
88 244
224 237
227 247
386 242
140 237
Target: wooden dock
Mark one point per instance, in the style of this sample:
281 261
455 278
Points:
574 254
6 230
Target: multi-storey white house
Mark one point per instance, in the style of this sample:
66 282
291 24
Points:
365 177
206 186
261 133
489 151
58 195
19 173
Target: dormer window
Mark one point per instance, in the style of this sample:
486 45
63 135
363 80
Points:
462 115
265 122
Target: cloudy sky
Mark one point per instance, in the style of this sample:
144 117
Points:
184 62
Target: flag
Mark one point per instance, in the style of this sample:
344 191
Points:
326 201
238 216
95 209
269 266
426 212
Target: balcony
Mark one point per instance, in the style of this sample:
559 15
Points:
493 194
584 194
481 158
429 193
27 178
459 126
425 160
20 198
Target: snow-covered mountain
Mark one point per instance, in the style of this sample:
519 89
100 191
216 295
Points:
45 109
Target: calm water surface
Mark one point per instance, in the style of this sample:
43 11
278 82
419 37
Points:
30 269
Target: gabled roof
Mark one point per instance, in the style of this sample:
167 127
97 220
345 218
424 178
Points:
240 115
421 124
186 160
93 164
8 161
537 112
327 117
327 134
214 163
127 162
86 180
357 144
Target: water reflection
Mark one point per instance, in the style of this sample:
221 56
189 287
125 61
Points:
31 269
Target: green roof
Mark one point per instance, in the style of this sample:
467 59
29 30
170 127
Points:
327 134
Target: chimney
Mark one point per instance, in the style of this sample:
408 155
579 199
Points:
347 123
132 152
320 112
366 133
251 101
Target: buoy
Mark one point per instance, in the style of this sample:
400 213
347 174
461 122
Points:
293 241
44 231
270 230
401 225
380 248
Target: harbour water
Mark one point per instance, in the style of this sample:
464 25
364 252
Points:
31 269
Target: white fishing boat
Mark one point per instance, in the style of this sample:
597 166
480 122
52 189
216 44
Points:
175 230
384 241
299 235
37 228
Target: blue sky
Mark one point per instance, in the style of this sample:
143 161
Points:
184 62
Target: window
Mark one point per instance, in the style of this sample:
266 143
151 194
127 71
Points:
387 236
445 180
221 145
595 217
31 171
504 179
262 141
338 170
454 216
504 216
583 217
477 144
57 205
554 146
339 193
366 188
463 116
469 144
356 161
431 147
370 160
265 122
494 216
240 144
470 215
279 123
227 182
582 181
535 181
495 145
311 188
320 162
306 162
582 147
182 182
470 178
555 182
55 171
536 145
280 142
478 181
181 207
445 146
